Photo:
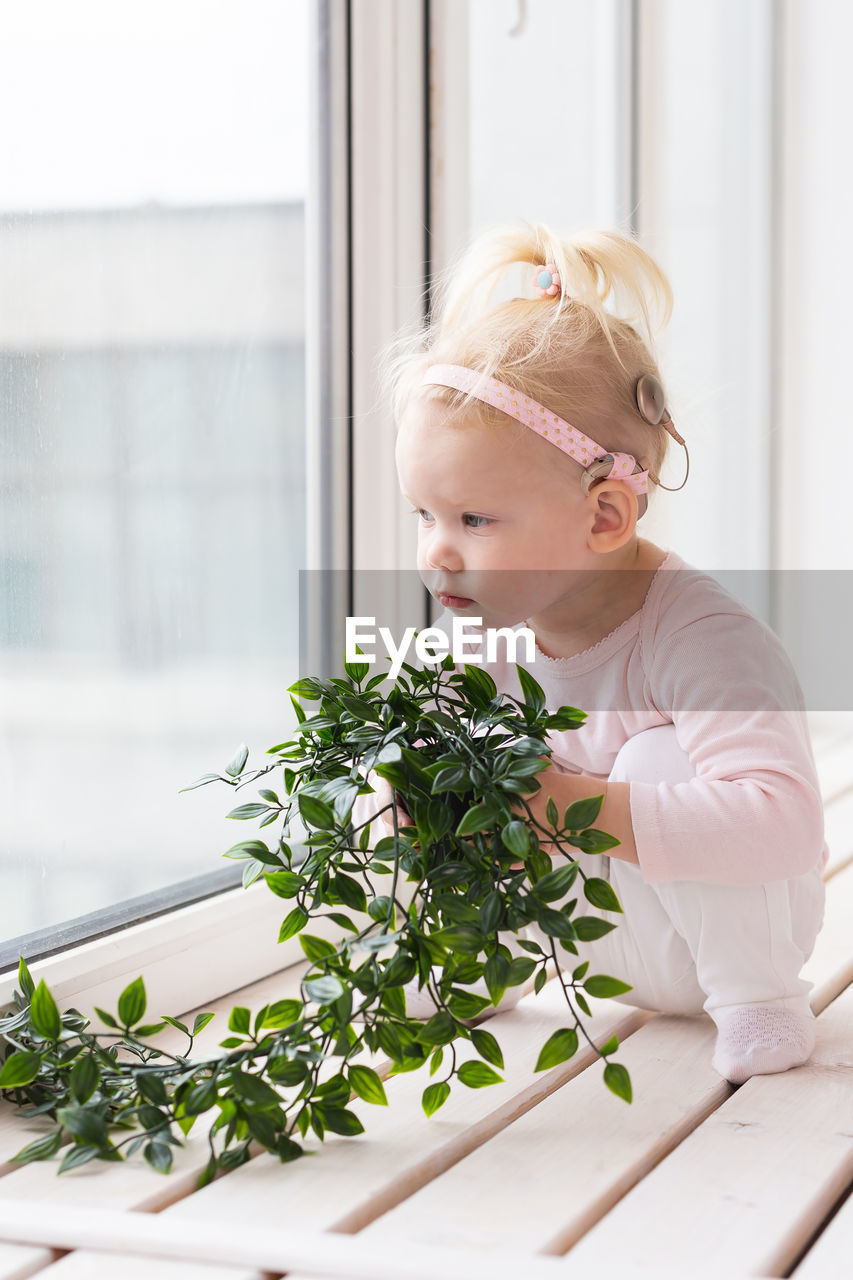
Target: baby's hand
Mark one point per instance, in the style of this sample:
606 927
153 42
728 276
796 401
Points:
384 796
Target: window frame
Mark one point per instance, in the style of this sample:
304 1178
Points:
193 952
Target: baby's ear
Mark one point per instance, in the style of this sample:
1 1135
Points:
615 513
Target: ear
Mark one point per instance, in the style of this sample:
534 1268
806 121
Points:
612 512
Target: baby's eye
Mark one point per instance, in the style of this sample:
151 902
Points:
485 520
419 511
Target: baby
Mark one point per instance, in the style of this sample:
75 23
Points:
531 432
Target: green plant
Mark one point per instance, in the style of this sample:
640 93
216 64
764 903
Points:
293 1066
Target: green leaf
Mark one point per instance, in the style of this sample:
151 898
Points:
435 1096
452 778
41 1149
201 1021
350 892
310 689
85 1077
520 969
556 923
239 1020
476 1075
316 949
172 1022
559 1047
516 837
245 811
356 670
152 1088
534 696
478 818
253 849
201 1097
159 1156
83 1123
202 782
436 1061
25 978
600 893
556 884
254 1089
602 986
44 1015
76 1155
588 928
465 938
583 813
467 1005
149 1029
316 812
366 1083
287 1073
487 1046
132 1003
551 813
19 1069
284 884
440 1029
235 768
339 1120
610 1047
618 1081
323 990
293 922
496 973
282 1013
593 841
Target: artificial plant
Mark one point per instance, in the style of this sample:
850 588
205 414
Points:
429 902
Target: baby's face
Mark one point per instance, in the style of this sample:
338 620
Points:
500 514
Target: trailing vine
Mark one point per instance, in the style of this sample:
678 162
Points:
426 903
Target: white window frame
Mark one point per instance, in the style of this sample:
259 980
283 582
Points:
366 271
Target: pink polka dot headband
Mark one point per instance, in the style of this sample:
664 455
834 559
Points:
596 461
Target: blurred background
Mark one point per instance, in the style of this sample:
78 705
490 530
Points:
213 216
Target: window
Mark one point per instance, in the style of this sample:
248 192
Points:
152 433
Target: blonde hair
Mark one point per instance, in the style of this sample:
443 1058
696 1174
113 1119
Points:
568 352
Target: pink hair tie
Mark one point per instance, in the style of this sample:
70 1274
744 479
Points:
546 281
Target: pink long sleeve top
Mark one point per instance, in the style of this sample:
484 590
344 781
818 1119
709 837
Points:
693 656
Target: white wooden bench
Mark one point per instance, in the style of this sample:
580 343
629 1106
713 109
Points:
543 1175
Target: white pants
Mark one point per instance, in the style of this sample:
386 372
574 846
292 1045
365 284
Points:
686 946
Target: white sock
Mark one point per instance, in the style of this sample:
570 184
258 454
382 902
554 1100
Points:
760 1039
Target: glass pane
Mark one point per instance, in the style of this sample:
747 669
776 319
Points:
556 154
152 433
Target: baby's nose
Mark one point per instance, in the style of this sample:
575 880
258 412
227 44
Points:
441 554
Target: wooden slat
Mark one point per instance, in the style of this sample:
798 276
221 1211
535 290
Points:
830 966
352 1180
831 1256
835 770
838 827
746 1191
263 1247
83 1264
19 1260
572 1157
829 730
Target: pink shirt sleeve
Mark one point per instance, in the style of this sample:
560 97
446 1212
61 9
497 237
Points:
753 812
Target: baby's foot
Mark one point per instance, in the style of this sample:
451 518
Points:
757 1039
